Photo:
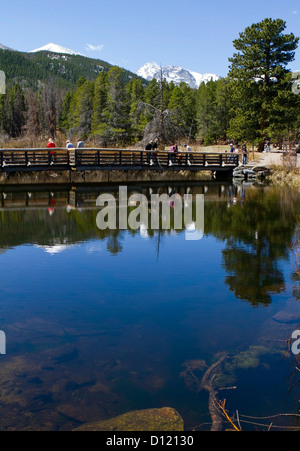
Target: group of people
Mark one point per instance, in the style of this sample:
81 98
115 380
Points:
152 157
177 156
152 146
69 145
234 149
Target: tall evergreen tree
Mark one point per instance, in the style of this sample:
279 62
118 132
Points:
100 101
136 93
50 104
260 66
206 112
15 110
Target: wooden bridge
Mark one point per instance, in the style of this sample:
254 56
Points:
19 160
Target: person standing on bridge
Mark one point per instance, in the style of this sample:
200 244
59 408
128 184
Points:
80 145
51 145
188 149
245 153
155 149
71 156
149 147
70 145
232 151
174 154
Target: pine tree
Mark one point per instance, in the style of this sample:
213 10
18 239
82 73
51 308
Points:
100 102
260 65
206 112
65 122
117 105
49 101
33 122
136 95
15 110
183 104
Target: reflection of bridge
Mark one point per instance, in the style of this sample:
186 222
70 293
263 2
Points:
16 160
84 197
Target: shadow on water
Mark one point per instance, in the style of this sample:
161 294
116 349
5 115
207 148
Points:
91 337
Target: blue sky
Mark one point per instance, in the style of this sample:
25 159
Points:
194 34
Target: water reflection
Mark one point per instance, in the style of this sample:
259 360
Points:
102 322
257 226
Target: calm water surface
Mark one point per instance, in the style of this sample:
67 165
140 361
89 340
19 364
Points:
99 323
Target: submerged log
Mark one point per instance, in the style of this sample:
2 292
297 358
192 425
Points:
207 384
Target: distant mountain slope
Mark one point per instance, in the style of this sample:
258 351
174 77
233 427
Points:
3 47
176 74
65 69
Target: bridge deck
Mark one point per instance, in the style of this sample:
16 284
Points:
13 160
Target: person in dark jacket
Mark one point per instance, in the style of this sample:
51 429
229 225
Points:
149 147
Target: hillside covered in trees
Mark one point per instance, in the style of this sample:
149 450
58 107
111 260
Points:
92 100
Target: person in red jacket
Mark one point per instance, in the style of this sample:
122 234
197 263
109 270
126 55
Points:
51 145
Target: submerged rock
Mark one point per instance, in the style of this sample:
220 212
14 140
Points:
286 318
151 420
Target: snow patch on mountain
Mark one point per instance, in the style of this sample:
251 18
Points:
3 47
176 74
55 48
200 78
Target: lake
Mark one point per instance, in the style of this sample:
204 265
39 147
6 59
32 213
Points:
103 322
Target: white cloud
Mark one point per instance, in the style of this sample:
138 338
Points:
94 48
295 12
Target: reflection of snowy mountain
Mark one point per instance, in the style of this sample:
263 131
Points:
175 74
56 248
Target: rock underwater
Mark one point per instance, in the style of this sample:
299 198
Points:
151 420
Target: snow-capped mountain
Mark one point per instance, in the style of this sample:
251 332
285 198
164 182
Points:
176 74
3 47
56 49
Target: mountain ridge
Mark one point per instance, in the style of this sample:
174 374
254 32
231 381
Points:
63 58
65 69
175 74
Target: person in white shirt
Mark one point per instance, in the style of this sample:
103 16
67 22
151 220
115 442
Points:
188 149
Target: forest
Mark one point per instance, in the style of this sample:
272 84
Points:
256 101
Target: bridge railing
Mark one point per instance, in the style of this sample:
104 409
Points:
107 158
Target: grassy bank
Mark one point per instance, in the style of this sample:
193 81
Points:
282 176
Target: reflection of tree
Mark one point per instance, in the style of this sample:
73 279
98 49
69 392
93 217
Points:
253 273
257 234
296 263
114 242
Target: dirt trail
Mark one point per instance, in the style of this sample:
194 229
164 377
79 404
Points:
274 158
